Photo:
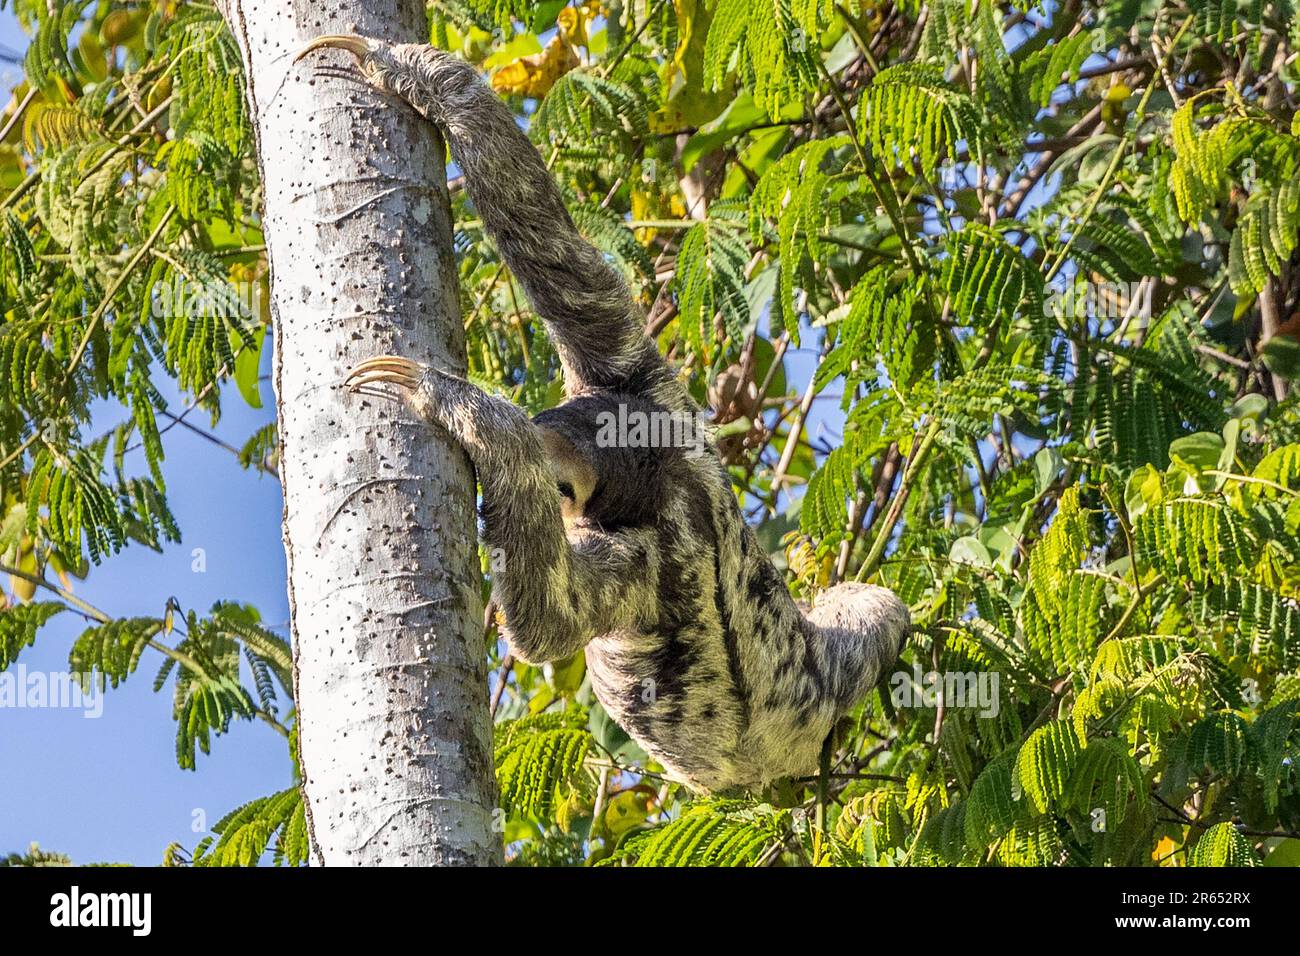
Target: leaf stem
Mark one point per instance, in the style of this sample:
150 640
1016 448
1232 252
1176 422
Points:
914 466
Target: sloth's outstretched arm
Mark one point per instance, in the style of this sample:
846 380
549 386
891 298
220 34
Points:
598 330
556 598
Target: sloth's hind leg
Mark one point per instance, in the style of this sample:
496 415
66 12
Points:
861 630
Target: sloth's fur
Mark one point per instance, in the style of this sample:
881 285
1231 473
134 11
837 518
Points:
640 556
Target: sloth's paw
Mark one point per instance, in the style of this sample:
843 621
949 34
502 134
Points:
387 370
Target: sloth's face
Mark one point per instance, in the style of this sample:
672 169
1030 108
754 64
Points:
605 485
575 478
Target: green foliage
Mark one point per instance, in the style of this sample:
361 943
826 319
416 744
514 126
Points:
710 280
1093 497
35 856
537 756
913 114
111 651
243 835
18 627
1059 442
1222 845
710 835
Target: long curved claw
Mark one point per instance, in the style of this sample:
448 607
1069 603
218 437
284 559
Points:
392 369
359 46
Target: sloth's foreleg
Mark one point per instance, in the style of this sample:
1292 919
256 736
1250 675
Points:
554 599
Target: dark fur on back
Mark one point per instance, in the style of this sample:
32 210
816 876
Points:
693 642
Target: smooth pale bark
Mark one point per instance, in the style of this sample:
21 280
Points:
379 523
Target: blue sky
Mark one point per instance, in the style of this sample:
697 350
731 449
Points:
108 789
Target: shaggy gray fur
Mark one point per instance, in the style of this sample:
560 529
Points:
693 643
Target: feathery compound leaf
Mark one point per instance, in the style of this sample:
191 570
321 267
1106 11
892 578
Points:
1266 233
1200 539
1219 743
879 326
112 650
1035 843
912 111
204 705
943 838
1257 621
1062 614
537 755
1107 778
1205 162
771 44
992 809
244 834
244 623
1046 763
608 233
1272 750
1058 62
709 280
713 834
582 107
260 448
988 281
794 192
1222 845
53 127
18 627
825 503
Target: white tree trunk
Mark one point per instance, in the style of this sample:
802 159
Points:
379 524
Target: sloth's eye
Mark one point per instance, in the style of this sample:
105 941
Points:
566 489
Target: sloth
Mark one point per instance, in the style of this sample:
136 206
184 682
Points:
635 552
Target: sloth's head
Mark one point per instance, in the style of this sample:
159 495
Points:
612 457
575 476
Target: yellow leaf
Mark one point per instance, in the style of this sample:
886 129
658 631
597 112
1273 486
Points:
1163 850
573 25
534 75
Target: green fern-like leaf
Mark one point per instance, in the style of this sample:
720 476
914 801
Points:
244 834
587 105
770 44
987 281
793 191
713 834
537 755
1198 539
112 650
992 809
1222 845
912 111
709 280
18 627
1046 764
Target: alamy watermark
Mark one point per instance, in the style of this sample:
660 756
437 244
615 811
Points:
956 689
61 690
1101 300
75 908
660 428
191 298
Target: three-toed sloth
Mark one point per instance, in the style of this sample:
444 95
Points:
634 551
